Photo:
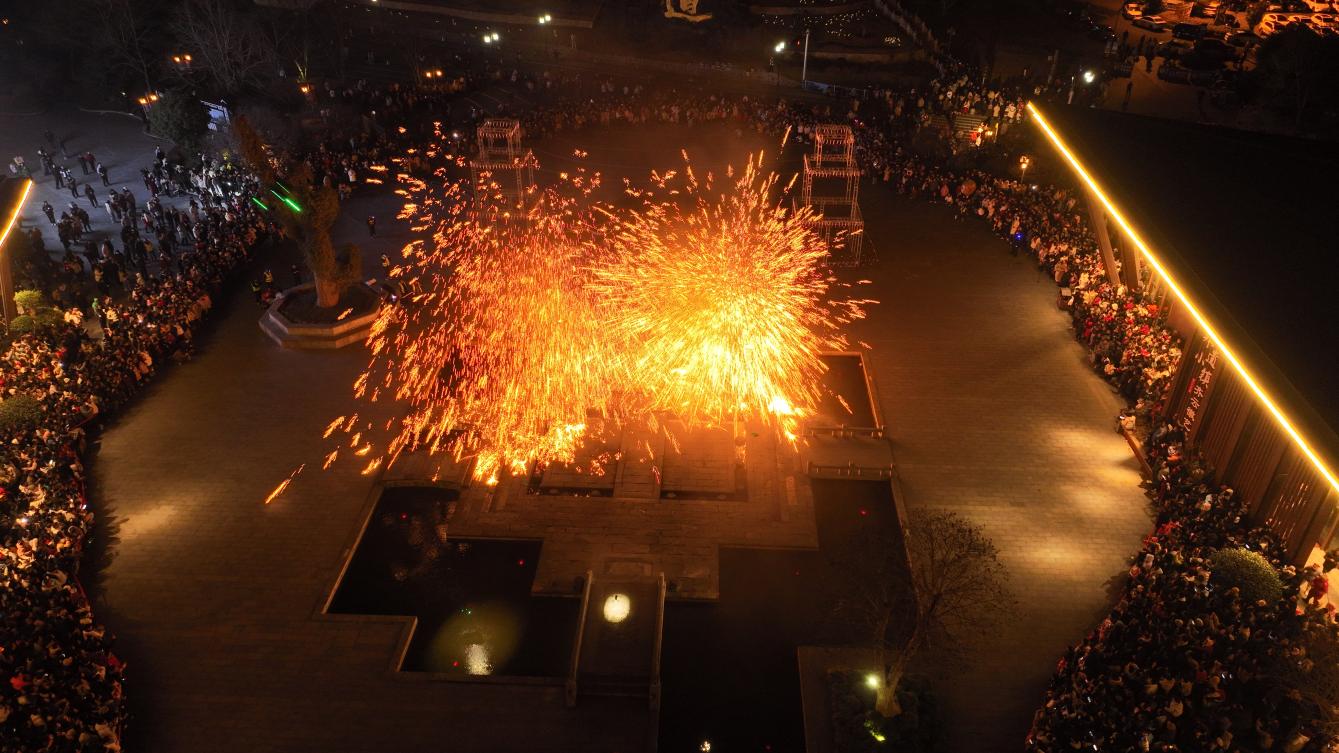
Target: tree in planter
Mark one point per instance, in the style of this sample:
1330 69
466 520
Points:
955 591
307 220
179 116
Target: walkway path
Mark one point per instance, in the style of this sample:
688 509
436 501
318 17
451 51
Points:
994 413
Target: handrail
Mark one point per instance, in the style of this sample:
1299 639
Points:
571 686
655 656
851 470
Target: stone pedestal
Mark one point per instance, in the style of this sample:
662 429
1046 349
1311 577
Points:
292 334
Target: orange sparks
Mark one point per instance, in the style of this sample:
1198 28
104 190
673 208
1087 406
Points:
283 485
531 313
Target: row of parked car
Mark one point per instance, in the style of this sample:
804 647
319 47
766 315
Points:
1324 22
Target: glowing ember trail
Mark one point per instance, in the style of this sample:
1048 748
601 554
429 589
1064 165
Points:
283 485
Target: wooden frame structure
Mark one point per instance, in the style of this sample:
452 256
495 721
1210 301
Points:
502 170
831 189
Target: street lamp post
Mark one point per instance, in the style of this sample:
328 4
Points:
804 66
1024 163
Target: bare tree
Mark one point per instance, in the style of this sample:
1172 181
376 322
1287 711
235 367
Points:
228 45
123 29
948 591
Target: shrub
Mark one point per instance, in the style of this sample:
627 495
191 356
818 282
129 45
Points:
21 324
19 412
28 301
1248 571
48 317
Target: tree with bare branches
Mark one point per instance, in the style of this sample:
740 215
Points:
227 43
949 590
123 31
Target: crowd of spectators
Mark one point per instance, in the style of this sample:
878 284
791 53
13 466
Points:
62 685
1184 661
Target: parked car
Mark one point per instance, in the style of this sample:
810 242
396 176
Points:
1154 24
1205 10
1173 73
1188 31
1174 49
1242 40
1131 11
1101 32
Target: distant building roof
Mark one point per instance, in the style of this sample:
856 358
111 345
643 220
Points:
1247 224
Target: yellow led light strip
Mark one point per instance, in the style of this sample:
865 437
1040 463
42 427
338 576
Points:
13 218
1166 276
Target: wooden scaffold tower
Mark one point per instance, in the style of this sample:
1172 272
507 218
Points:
832 191
502 171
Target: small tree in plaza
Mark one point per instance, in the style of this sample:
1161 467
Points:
233 48
1249 572
29 301
33 312
954 592
308 214
179 116
19 412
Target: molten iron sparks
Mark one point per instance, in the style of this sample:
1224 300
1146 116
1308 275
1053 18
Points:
500 351
518 321
283 485
720 301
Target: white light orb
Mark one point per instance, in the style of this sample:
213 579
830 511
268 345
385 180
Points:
617 607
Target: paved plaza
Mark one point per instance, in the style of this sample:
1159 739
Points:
994 413
216 597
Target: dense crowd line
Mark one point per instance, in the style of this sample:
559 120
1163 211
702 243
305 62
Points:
62 688
1185 661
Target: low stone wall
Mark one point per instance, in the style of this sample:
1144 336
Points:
301 335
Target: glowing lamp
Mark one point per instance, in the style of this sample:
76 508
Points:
873 680
1089 76
616 608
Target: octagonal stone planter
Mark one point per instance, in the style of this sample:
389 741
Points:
311 336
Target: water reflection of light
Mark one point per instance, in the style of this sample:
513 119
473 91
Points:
476 660
479 639
617 607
